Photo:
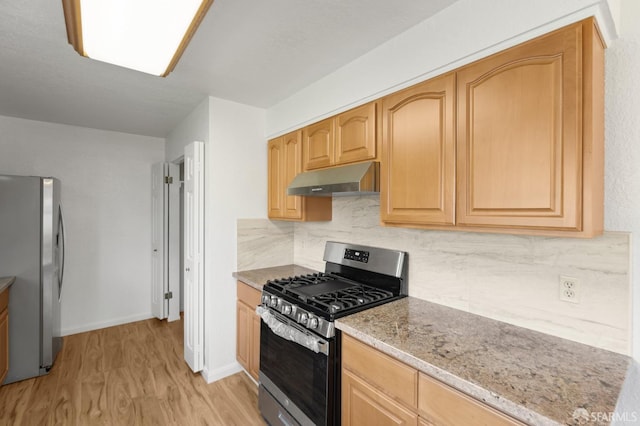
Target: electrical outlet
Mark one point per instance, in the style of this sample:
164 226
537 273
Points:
569 290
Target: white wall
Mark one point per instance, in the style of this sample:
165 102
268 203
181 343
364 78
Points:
106 198
622 126
461 33
235 186
194 127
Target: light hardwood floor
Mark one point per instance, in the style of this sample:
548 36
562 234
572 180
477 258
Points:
132 374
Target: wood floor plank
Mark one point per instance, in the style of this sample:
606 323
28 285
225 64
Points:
144 381
149 411
133 374
177 407
14 400
65 408
93 400
113 356
42 394
93 354
121 390
72 357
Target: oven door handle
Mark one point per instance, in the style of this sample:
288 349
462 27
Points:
291 333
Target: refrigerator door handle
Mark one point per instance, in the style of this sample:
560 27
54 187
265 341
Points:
61 269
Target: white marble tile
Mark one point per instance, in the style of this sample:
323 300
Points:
263 243
506 277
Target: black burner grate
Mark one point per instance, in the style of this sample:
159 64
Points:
330 293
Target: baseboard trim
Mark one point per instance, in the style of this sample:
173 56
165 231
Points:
221 373
104 324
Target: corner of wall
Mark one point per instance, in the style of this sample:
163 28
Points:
211 376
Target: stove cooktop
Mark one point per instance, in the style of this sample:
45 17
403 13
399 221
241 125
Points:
327 293
356 278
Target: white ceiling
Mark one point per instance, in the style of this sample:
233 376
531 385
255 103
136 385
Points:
257 52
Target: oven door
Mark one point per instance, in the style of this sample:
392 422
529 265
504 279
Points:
294 376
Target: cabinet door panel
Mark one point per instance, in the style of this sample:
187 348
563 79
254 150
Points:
243 339
293 165
276 178
248 328
284 163
4 343
254 360
418 168
363 405
519 137
356 134
318 144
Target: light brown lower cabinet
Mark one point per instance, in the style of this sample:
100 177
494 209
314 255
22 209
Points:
410 398
248 329
440 404
4 334
364 405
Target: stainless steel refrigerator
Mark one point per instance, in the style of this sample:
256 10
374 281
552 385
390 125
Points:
32 250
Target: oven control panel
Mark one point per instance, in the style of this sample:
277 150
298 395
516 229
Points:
306 319
357 255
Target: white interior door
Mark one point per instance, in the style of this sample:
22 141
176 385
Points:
174 233
159 283
193 255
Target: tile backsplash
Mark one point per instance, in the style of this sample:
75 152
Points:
510 278
263 243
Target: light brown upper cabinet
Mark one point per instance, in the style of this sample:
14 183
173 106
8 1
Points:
318 144
284 163
513 143
418 154
356 134
530 136
346 138
276 171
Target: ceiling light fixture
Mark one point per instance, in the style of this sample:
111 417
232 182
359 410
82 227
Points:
144 35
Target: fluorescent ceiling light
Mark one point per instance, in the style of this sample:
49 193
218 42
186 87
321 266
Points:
144 35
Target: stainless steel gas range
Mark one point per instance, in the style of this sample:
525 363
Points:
299 345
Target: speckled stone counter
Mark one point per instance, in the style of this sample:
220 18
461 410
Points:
256 278
5 282
536 378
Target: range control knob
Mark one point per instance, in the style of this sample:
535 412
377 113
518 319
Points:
303 318
286 309
265 299
313 323
273 302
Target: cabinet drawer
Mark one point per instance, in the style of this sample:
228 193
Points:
384 372
445 406
248 295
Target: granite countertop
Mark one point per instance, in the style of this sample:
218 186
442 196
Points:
534 377
256 278
5 282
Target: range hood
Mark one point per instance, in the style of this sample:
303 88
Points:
353 179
